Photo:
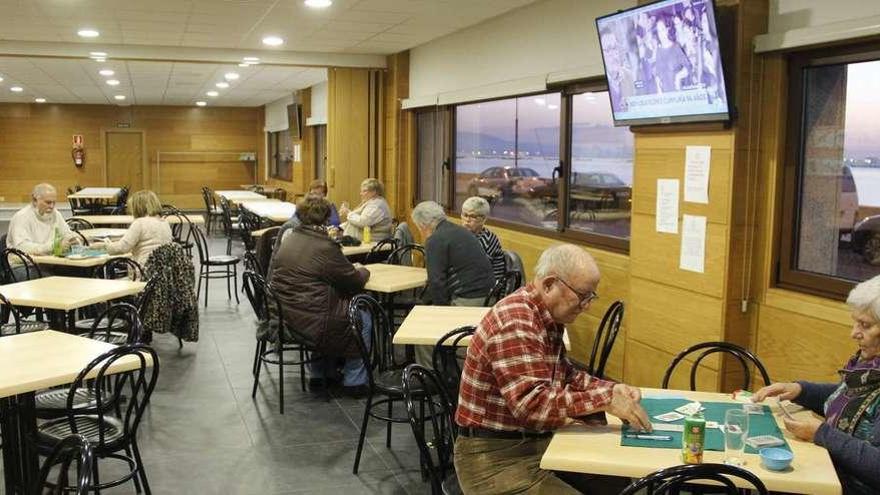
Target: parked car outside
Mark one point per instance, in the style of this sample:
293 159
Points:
599 190
506 182
866 239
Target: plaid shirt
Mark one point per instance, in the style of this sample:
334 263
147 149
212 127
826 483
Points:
516 375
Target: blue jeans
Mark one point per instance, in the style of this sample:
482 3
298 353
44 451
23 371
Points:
354 372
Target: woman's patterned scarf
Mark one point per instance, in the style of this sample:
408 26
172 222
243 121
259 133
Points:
861 388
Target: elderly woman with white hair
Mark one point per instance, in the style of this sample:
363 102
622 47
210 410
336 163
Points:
850 428
459 273
373 212
474 212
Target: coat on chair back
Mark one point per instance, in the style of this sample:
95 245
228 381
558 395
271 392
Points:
173 307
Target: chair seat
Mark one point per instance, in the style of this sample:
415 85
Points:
391 383
111 337
56 399
223 259
54 430
27 326
85 324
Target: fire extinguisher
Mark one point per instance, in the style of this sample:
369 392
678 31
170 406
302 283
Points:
79 156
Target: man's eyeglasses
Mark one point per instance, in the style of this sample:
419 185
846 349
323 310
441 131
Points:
583 299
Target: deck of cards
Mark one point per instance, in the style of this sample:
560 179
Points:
761 441
669 417
690 409
753 408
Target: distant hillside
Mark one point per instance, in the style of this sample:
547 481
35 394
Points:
587 140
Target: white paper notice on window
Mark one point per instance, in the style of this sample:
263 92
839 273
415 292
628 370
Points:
297 153
696 174
693 243
667 205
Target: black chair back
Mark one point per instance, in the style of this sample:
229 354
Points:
381 251
407 256
606 335
103 327
514 263
227 217
74 449
137 386
6 311
744 356
120 268
201 244
77 224
673 480
436 453
448 358
251 263
505 285
169 209
255 289
32 270
250 222
378 352
185 241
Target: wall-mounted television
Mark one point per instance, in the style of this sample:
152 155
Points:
294 121
663 63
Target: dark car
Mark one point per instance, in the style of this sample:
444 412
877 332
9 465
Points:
599 190
505 182
866 239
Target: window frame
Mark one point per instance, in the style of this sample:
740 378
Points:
787 276
274 156
449 151
563 230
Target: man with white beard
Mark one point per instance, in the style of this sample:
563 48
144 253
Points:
32 228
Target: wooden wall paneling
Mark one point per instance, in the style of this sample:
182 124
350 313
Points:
644 367
348 132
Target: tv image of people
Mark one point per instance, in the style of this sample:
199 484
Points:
662 60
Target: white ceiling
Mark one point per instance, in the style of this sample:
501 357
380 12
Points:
221 30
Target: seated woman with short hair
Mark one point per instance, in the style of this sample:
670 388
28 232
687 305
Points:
373 212
148 231
474 212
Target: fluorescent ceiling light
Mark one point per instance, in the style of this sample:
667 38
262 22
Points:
100 60
106 72
251 60
222 85
230 76
318 4
98 54
40 100
88 33
112 82
119 97
201 103
212 93
244 64
16 89
273 41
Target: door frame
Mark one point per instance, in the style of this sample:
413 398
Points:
145 169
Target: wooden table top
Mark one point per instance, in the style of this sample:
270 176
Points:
128 219
87 262
101 233
597 450
68 293
364 248
425 325
237 196
395 278
276 211
96 193
38 360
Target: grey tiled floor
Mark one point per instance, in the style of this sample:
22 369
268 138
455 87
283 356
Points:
203 434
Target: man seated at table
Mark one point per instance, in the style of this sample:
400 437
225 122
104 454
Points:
517 385
32 228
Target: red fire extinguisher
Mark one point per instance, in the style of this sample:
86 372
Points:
79 156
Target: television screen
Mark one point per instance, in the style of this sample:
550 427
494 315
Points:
294 121
663 63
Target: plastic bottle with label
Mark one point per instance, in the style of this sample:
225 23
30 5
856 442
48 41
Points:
368 236
56 243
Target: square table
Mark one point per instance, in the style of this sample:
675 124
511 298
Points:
389 279
276 211
236 196
597 450
101 233
68 293
128 219
96 193
31 362
86 262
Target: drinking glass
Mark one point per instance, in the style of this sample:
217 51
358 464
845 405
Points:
736 430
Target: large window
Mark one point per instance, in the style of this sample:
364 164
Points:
550 162
320 151
280 155
831 236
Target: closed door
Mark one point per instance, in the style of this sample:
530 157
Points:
125 159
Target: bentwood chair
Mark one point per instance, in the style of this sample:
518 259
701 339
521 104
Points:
18 266
113 269
606 335
677 479
109 423
73 449
435 447
231 224
379 253
222 266
744 356
505 285
18 324
182 239
213 213
448 358
77 224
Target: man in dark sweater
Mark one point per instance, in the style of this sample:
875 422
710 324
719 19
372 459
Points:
459 272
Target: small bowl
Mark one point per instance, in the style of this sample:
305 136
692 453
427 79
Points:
776 459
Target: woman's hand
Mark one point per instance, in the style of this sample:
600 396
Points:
784 391
803 428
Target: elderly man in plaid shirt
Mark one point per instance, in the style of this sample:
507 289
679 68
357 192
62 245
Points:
517 385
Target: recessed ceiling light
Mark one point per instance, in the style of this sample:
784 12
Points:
119 97
318 4
212 93
16 89
201 103
112 82
273 41
88 33
244 64
230 76
251 60
100 60
106 72
98 54
40 100
222 85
